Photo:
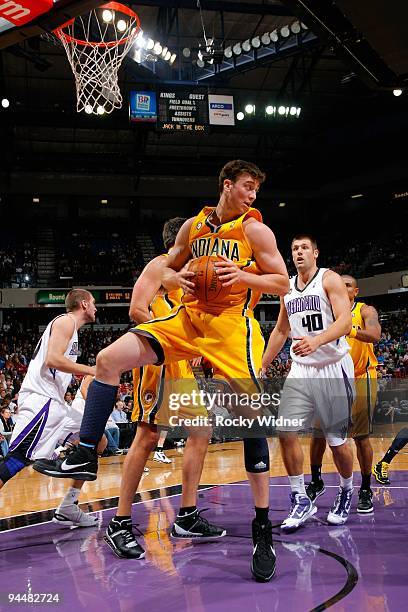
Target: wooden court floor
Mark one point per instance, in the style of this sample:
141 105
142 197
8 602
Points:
30 491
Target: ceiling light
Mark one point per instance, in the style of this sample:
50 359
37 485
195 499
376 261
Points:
249 109
237 49
100 110
186 52
104 201
282 204
5 103
298 111
167 56
270 110
88 109
246 45
295 27
228 52
121 25
266 39
138 56
303 26
293 110
164 52
240 116
36 200
397 92
200 63
281 110
274 36
173 59
285 32
107 16
157 49
149 44
140 41
256 42
356 195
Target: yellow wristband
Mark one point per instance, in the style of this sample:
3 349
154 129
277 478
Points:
353 332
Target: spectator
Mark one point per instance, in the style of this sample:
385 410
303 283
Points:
118 415
112 434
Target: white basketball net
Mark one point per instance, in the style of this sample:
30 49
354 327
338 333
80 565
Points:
95 48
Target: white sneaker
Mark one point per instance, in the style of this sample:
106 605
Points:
161 457
301 509
340 510
73 516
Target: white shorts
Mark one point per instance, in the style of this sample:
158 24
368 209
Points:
319 396
40 423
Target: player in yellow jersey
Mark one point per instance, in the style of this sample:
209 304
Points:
226 333
365 330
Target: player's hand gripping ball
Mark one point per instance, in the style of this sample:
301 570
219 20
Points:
208 286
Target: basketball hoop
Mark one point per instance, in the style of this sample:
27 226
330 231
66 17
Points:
96 44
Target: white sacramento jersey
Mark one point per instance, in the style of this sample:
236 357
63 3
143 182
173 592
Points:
310 313
47 381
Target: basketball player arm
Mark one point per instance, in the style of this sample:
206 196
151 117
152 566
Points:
372 331
61 333
86 381
274 278
145 289
174 274
277 338
340 304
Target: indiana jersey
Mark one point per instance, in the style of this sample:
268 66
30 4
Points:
362 353
48 381
227 239
310 313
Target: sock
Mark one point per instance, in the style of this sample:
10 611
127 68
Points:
122 521
261 515
346 483
99 404
365 481
297 484
159 449
389 455
71 496
316 472
186 510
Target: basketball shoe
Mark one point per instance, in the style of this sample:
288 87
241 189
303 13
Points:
194 526
380 471
365 501
73 516
263 564
315 489
341 507
301 509
161 457
81 464
121 539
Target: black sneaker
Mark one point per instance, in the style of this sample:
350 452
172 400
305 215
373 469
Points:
121 539
365 501
82 464
315 489
195 527
263 563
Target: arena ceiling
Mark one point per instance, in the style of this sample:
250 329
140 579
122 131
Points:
341 70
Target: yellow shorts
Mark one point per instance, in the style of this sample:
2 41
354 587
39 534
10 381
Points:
153 387
232 342
364 404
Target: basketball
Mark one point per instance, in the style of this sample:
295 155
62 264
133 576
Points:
208 286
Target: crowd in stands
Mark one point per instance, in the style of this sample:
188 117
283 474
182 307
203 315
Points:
18 264
98 258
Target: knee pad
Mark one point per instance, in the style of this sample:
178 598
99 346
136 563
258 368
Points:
13 463
256 453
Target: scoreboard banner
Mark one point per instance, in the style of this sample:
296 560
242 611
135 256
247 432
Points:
102 296
142 106
221 110
24 11
182 110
